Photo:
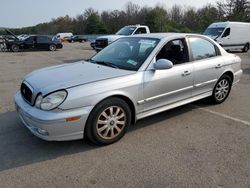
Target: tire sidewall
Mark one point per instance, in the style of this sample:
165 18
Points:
14 48
90 129
230 86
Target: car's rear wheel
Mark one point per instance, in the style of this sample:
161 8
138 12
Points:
221 89
14 48
52 47
108 122
246 48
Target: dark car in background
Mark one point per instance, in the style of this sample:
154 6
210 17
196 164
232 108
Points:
78 38
33 42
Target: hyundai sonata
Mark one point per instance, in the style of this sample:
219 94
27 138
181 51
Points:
132 78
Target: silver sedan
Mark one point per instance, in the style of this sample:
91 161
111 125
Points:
132 78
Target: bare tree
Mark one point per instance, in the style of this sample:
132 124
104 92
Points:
176 14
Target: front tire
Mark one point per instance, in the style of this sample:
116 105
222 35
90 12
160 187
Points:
221 90
15 48
108 122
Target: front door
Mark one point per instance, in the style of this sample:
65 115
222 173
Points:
164 87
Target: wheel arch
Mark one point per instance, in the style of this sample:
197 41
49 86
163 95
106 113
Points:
230 74
125 99
131 106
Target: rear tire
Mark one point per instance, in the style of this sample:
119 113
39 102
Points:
246 48
52 47
14 48
221 90
108 122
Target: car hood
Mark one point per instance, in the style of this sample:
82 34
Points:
10 33
111 38
64 76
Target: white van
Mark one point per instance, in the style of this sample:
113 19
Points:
64 35
230 35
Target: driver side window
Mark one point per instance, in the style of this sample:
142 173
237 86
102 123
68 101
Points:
30 39
175 51
227 32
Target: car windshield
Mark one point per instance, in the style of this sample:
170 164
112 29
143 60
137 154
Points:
214 31
126 53
126 31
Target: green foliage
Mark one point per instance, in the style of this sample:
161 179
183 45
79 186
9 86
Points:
94 25
157 19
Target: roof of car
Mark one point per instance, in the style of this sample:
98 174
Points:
164 35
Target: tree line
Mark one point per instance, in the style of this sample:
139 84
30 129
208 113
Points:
159 18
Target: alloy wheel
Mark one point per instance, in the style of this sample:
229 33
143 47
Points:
111 122
222 89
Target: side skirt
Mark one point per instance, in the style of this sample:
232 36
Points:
173 105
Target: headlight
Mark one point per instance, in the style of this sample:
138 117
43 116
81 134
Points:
51 101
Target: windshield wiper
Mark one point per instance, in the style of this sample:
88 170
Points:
104 63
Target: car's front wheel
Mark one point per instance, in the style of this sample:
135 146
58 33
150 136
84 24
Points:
15 48
108 122
221 89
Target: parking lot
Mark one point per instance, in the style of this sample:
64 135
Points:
196 145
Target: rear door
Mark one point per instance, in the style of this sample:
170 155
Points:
208 64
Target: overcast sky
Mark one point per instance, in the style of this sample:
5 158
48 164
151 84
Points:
21 13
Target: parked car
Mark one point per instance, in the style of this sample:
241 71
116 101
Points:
78 38
64 35
230 35
103 41
132 78
33 42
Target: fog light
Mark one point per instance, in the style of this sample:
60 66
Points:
42 132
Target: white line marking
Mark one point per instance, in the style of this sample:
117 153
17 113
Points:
223 115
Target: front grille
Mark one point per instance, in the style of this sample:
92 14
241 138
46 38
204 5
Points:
101 43
26 92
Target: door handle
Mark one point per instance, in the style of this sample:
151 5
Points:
186 73
218 66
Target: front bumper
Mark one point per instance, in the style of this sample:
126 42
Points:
59 46
52 125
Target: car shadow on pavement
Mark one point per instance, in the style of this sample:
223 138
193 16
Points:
18 147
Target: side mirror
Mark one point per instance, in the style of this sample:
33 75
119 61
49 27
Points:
162 64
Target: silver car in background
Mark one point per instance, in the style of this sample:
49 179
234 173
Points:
132 78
